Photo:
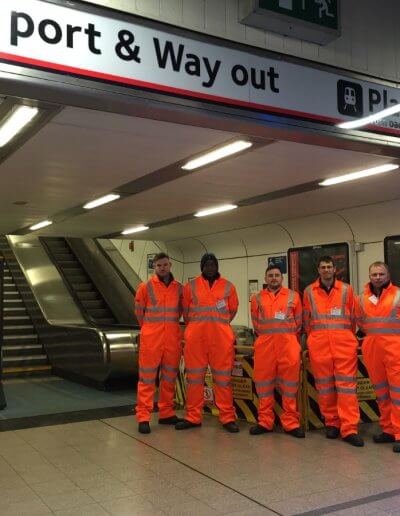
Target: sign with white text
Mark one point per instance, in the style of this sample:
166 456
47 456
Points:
47 36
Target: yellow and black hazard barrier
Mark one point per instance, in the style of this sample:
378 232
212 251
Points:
244 391
312 417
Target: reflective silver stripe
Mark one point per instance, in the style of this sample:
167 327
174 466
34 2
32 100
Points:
288 383
382 331
196 371
395 402
260 306
382 385
265 383
170 368
276 330
161 319
147 380
150 292
221 372
221 383
180 297
324 379
167 378
330 317
346 390
384 397
345 288
288 394
148 369
394 389
208 318
387 320
309 291
290 303
331 326
197 309
161 309
193 381
396 301
343 378
228 288
139 306
265 394
192 284
328 390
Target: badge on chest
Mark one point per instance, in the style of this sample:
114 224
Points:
336 310
373 299
280 315
221 305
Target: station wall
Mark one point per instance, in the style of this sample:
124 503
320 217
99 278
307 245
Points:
243 253
369 41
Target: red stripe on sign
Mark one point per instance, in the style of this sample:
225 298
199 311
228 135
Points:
49 66
294 270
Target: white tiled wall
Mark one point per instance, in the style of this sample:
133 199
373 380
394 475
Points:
370 40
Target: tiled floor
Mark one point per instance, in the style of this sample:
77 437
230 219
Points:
105 467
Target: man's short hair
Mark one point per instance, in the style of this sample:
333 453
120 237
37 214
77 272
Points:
160 256
326 259
379 264
273 266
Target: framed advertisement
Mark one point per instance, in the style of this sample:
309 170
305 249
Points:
391 246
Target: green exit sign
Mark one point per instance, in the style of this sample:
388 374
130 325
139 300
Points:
311 20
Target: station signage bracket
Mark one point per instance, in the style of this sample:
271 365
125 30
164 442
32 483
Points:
317 21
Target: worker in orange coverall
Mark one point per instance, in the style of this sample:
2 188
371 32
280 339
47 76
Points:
210 303
276 313
158 308
328 315
378 316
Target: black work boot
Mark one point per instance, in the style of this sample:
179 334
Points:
296 432
396 447
172 420
332 432
185 425
258 430
144 427
384 437
354 440
231 427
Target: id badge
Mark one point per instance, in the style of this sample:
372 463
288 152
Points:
373 299
336 311
221 305
280 315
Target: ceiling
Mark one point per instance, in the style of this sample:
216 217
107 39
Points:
82 154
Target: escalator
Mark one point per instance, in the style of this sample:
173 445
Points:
79 282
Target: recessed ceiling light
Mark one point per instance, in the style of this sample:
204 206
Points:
134 230
41 225
101 200
353 124
18 118
217 154
358 175
213 211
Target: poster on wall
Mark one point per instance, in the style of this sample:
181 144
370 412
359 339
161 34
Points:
303 263
3 403
253 288
280 262
150 266
392 257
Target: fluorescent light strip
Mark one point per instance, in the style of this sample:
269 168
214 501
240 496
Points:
215 155
101 200
353 124
358 175
41 225
18 119
134 230
213 211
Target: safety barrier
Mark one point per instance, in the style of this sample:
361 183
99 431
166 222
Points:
365 393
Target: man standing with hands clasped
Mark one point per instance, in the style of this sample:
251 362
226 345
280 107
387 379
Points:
328 315
276 315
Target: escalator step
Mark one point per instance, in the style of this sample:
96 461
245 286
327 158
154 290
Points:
87 295
99 312
69 264
106 320
82 287
22 349
95 304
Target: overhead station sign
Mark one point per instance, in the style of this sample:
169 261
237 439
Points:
47 36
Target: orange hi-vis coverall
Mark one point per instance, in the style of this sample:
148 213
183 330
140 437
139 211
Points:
330 326
158 308
209 339
379 319
277 322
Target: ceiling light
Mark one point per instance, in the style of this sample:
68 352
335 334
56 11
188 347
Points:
101 200
41 225
134 230
358 175
215 155
371 118
212 211
19 117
